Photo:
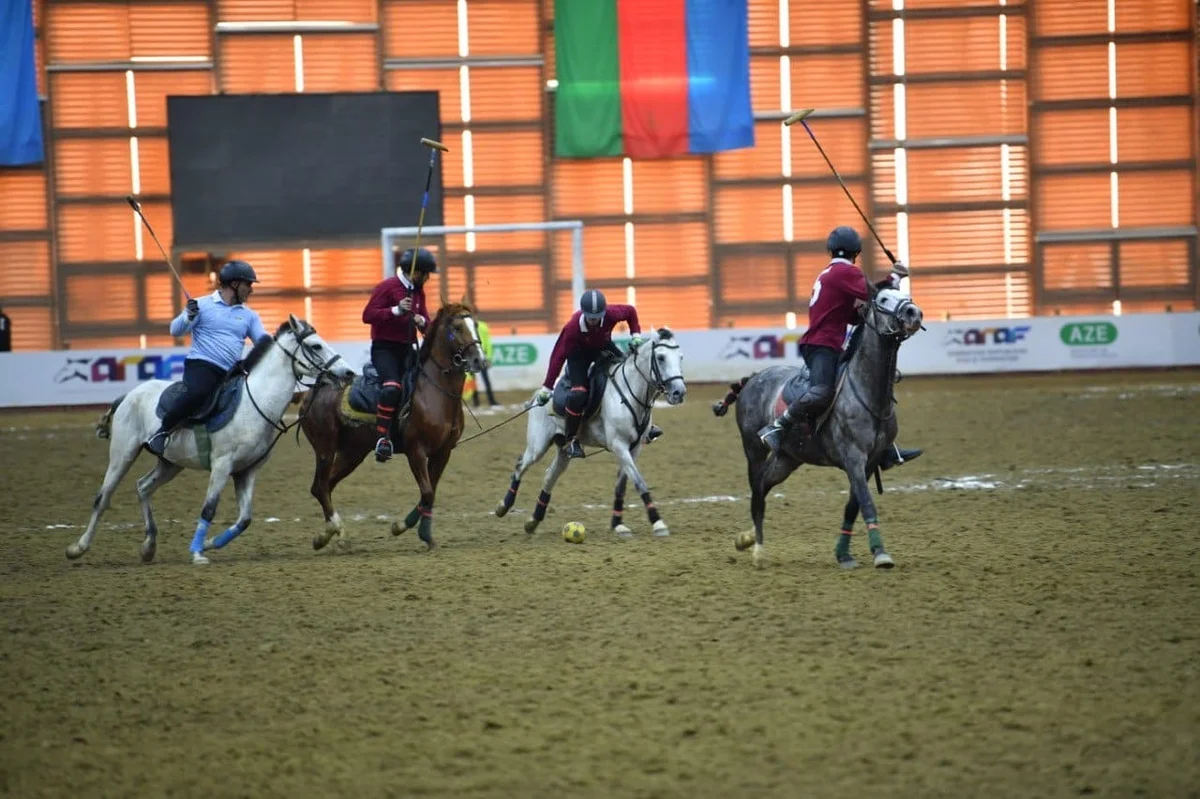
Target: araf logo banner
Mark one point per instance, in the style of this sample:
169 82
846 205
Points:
763 346
964 337
114 369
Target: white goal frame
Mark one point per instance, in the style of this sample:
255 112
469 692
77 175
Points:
388 234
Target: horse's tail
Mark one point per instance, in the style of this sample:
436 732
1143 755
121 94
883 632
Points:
722 407
104 425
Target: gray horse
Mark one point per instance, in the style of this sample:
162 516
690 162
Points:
852 434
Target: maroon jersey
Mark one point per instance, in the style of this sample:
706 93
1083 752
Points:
385 325
831 308
576 336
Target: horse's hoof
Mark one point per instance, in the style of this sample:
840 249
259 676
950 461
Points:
623 531
75 551
660 529
199 560
847 562
501 510
744 540
319 541
398 528
531 525
148 550
883 560
760 556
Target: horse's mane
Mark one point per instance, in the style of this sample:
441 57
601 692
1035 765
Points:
260 350
435 327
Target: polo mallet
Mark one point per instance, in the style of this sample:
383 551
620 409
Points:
433 146
800 116
137 209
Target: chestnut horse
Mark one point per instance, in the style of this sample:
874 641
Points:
426 435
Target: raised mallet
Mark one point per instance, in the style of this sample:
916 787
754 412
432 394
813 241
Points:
137 209
434 147
800 116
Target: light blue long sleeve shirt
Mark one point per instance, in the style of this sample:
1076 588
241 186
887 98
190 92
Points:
219 331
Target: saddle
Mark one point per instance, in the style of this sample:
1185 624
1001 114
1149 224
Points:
216 412
361 397
597 381
794 388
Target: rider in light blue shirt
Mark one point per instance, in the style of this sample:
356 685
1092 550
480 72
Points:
220 325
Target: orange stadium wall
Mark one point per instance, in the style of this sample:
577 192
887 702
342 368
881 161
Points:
1027 157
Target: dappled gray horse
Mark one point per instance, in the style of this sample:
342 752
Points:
852 434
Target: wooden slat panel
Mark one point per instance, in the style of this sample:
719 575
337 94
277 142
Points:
764 83
96 233
748 320
92 166
32 328
1068 73
806 267
87 32
680 308
160 299
963 174
1154 70
345 269
763 23
1153 199
416 28
502 27
516 287
506 93
761 160
276 269
336 10
340 62
969 44
169 29
274 310
666 186
162 218
101 298
769 282
1152 15
979 109
588 187
154 167
990 296
816 210
1154 263
1073 202
1070 17
89 100
340 319
827 81
456 280
104 342
444 81
26 269
749 214
513 208
1077 266
824 23
967 238
258 64
256 10
152 88
22 199
507 158
671 250
1072 137
844 141
882 112
603 253
1154 134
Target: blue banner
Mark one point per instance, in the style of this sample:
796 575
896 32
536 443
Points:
718 54
20 115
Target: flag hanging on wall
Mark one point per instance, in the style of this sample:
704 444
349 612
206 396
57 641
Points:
651 78
20 114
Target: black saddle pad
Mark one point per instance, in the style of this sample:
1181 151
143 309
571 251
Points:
216 412
795 388
364 391
597 381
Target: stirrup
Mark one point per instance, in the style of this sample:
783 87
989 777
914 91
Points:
383 449
653 433
157 443
574 449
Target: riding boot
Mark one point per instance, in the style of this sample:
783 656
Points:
157 443
894 456
573 448
383 424
772 434
654 432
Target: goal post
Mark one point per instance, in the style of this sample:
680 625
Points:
389 235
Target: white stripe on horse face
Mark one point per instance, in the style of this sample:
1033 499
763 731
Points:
470 320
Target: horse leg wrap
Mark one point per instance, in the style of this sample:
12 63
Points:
230 534
414 515
511 496
425 527
539 510
874 536
843 544
201 533
618 505
651 510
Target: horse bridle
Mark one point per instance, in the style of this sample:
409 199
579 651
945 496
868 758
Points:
658 383
320 368
893 342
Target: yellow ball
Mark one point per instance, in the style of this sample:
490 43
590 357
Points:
744 540
574 533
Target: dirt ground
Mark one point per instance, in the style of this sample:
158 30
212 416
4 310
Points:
1039 637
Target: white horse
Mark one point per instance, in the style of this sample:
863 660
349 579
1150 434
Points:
619 425
239 448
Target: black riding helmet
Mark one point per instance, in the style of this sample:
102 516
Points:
592 303
236 270
844 242
425 261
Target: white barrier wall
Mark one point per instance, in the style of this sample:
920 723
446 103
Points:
1027 345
